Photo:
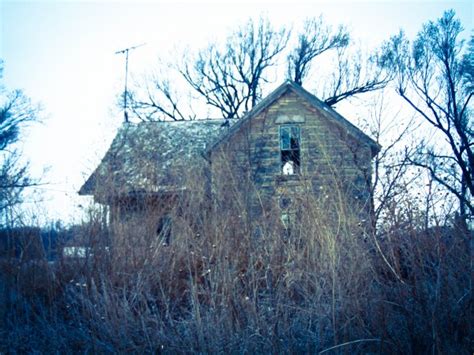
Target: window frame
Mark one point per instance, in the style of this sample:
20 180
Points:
294 153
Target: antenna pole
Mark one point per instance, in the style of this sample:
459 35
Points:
125 92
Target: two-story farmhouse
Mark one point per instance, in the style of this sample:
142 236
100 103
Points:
290 146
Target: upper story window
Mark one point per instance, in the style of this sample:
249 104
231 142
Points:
290 149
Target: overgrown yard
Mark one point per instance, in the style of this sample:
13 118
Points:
289 231
217 288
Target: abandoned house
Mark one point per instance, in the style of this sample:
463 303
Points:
290 144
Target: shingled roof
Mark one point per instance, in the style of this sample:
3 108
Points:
152 156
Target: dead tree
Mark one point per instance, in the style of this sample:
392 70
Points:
16 111
435 78
315 39
350 73
230 77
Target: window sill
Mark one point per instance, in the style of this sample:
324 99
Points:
294 177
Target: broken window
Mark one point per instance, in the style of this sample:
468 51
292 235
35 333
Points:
285 202
290 149
164 229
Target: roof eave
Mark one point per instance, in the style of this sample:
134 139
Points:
357 133
261 106
277 93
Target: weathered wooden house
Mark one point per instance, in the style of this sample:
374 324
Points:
291 144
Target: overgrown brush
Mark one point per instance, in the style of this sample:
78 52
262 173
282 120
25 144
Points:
225 282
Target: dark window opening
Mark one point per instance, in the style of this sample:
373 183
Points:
285 202
290 150
164 229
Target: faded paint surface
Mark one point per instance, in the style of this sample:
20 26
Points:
331 158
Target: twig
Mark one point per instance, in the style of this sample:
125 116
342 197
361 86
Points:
349 343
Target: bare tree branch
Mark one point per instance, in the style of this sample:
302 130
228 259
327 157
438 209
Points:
16 111
354 75
315 39
435 79
230 77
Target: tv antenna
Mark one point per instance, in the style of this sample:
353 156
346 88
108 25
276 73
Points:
125 92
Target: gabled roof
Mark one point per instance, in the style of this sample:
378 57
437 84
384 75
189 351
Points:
322 107
151 156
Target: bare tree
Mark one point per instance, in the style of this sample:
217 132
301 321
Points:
16 111
227 77
160 99
230 78
351 73
315 39
435 78
391 165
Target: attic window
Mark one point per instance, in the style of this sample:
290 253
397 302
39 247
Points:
290 149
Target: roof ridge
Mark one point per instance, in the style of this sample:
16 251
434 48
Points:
312 99
199 120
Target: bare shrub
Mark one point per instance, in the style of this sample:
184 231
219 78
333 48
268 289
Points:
430 308
229 278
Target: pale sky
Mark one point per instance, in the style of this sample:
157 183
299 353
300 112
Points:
62 54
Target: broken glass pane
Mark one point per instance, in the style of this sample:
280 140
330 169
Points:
295 137
284 138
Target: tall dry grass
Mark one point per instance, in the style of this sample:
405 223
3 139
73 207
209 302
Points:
229 281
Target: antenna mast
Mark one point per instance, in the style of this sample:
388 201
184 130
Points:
125 92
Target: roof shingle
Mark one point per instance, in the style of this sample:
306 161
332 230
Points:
150 156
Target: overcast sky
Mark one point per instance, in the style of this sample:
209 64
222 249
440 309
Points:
62 54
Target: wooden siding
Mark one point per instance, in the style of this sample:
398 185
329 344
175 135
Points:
249 161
